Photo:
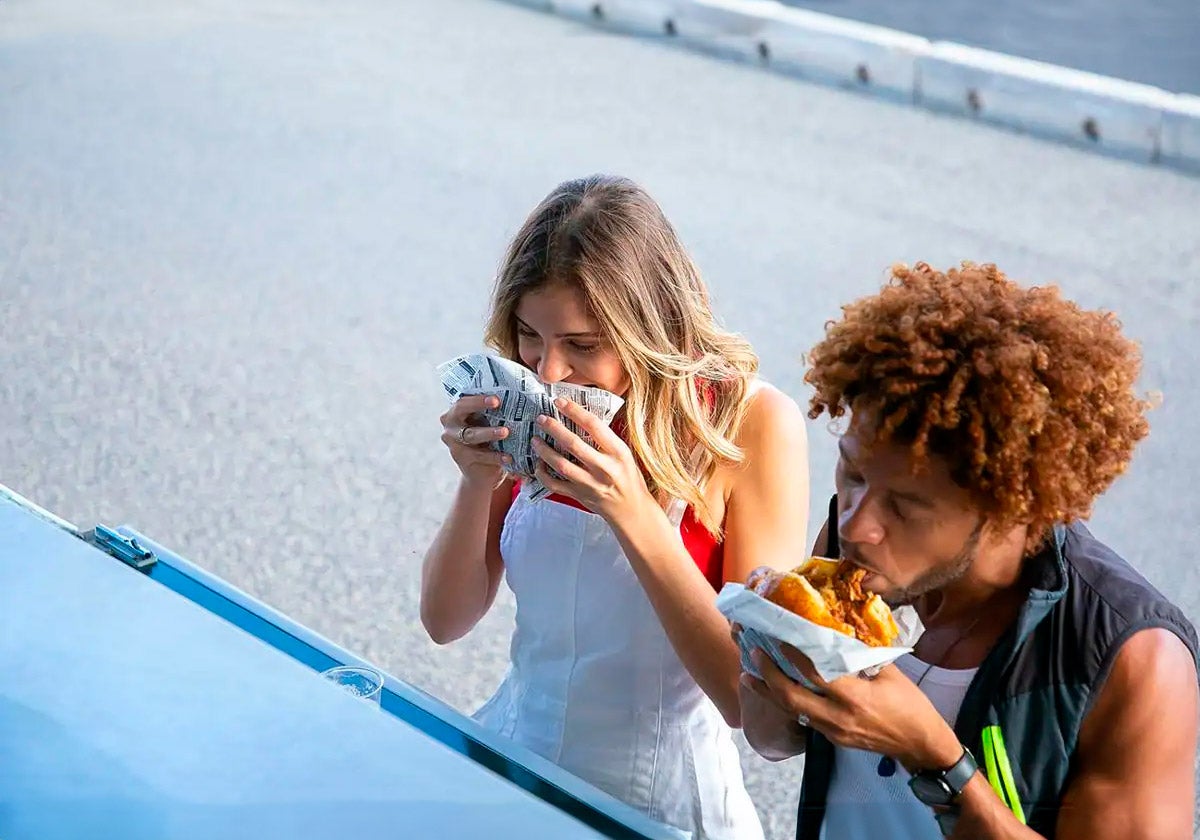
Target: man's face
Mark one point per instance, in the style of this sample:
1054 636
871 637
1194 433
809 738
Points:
912 533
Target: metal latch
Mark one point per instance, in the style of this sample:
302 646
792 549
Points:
126 549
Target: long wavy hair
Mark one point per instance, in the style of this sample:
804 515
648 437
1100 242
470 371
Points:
689 377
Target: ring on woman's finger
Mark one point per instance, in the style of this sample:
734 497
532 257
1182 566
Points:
462 435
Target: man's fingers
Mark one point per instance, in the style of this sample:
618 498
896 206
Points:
804 666
771 674
789 695
753 683
735 633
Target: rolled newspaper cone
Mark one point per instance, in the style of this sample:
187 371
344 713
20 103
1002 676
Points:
523 397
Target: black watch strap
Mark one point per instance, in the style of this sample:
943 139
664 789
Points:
939 788
956 777
947 819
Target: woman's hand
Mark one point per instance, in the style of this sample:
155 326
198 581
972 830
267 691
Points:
604 477
469 439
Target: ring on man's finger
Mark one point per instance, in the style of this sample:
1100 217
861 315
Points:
462 435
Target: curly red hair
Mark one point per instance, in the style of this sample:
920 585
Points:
1029 398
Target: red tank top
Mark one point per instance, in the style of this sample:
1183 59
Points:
707 553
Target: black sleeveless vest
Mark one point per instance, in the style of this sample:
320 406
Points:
1039 680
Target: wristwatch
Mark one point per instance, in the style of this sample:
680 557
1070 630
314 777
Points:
939 788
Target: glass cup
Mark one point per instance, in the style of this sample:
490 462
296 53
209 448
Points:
362 682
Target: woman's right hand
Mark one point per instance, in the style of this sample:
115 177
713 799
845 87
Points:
469 439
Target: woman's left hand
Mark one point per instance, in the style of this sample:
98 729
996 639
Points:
604 477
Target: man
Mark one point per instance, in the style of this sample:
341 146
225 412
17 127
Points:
1054 691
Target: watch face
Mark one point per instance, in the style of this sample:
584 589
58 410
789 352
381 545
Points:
931 791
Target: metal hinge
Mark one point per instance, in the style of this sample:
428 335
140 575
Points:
126 549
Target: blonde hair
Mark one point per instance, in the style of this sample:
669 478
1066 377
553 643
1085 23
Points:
689 378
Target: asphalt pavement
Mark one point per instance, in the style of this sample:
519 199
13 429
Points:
236 238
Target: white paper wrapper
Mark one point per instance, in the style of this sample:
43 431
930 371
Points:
833 654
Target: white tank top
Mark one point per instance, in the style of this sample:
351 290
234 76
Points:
595 685
863 804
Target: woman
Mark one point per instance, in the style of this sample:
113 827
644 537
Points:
623 671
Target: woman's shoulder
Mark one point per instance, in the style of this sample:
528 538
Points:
772 417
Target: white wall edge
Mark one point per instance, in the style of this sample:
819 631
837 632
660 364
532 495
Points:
1104 114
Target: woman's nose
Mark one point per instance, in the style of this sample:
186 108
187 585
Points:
552 367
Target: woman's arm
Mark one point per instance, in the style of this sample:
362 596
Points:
766 517
769 490
463 566
773 731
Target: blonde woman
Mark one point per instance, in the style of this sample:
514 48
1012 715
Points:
623 672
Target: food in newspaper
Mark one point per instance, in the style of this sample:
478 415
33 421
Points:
523 397
829 593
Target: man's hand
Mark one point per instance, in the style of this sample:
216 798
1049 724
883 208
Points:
771 730
888 715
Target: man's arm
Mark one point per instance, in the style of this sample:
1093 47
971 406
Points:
1137 747
1136 755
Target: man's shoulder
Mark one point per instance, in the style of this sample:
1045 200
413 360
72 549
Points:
1097 572
1108 599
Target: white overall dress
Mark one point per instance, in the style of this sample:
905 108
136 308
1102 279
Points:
596 687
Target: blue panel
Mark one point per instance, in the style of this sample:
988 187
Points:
128 711
431 716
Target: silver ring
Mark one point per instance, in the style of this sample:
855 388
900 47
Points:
462 435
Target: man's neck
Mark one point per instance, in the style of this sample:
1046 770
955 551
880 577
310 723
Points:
993 582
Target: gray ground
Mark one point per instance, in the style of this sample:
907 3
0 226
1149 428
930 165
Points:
235 238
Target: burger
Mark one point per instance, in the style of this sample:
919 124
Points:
829 593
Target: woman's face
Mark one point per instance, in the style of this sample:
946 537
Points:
559 339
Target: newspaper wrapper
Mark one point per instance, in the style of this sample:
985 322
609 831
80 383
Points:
765 625
523 397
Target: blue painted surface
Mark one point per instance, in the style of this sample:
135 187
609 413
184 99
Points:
433 717
128 711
